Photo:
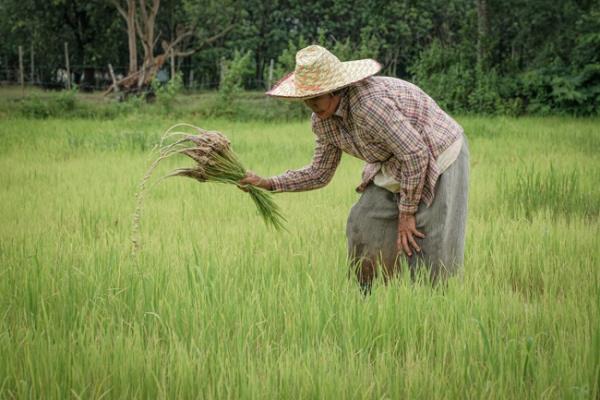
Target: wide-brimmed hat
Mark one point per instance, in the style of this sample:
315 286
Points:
318 72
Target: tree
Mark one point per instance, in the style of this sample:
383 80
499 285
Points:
129 17
482 32
141 21
46 25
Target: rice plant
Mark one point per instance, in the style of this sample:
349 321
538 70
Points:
217 306
530 189
215 162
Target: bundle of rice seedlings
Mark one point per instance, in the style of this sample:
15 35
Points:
214 161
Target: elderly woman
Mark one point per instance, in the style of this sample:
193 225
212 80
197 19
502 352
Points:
415 181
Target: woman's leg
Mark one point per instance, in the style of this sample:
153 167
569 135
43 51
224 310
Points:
372 228
444 222
371 231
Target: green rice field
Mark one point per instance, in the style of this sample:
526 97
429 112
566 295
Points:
218 305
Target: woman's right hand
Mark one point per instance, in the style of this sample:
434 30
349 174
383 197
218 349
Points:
252 179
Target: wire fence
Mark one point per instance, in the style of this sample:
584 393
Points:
197 74
97 78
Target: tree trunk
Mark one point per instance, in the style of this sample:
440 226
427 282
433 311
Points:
68 66
482 32
133 65
147 31
260 69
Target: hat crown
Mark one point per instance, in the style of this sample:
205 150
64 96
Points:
315 66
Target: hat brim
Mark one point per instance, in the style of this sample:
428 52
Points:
349 72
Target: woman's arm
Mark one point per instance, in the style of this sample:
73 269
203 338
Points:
317 174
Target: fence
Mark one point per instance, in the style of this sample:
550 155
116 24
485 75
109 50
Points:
25 71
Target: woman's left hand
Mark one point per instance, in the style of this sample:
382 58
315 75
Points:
407 229
252 179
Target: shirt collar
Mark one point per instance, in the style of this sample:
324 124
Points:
342 110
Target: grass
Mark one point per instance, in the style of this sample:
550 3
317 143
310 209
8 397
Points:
36 103
216 305
528 190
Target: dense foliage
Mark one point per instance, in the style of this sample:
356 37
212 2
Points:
486 56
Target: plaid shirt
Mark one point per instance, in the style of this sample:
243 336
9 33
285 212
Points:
385 122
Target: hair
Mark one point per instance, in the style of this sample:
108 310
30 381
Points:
341 91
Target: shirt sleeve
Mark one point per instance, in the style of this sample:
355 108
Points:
325 160
384 119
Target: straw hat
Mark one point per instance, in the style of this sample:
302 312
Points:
318 72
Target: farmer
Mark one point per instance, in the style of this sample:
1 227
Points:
415 181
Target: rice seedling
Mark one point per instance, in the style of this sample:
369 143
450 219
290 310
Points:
215 161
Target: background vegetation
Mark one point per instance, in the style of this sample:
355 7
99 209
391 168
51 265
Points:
472 56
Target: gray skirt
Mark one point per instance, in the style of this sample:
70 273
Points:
372 227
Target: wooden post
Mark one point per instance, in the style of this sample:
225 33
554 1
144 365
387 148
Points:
68 65
191 83
112 76
32 65
21 75
222 70
8 70
172 64
270 79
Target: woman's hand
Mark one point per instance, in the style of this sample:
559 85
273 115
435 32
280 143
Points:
407 229
252 179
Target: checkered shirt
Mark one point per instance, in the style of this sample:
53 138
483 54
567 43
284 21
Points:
386 122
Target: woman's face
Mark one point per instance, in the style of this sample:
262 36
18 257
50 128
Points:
324 106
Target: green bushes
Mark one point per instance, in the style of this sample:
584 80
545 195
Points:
447 75
559 90
553 79
61 105
230 86
233 102
244 106
166 93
